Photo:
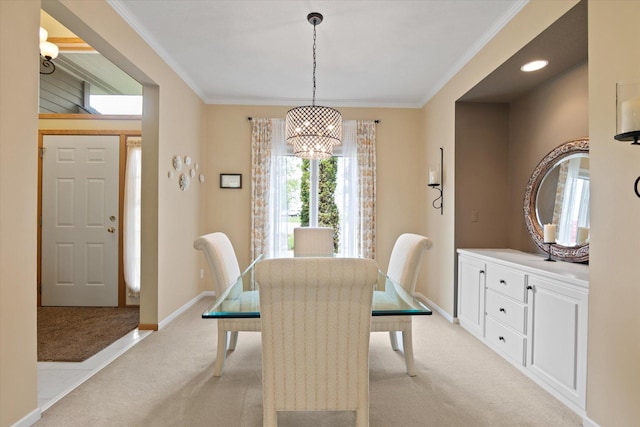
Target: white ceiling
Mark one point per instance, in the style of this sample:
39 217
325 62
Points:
371 53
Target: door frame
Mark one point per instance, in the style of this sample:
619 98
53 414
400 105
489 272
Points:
122 134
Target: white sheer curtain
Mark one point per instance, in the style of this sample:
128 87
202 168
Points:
278 206
131 220
573 197
347 191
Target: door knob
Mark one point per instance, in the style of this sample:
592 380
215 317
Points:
112 218
111 230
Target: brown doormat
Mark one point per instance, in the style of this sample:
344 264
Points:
73 334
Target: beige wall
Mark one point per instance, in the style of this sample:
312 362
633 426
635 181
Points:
613 383
401 176
482 177
18 184
497 148
438 128
173 124
613 386
554 113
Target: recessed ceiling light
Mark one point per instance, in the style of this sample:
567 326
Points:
534 65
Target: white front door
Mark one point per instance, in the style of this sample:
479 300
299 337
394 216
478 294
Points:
79 220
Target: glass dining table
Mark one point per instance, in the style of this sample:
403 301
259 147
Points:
242 299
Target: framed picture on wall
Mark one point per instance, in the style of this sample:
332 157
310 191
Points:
230 180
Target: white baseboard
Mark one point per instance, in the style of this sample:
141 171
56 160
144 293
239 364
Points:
435 307
184 308
29 419
587 422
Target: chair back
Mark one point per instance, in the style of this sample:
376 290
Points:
406 257
312 241
315 315
221 259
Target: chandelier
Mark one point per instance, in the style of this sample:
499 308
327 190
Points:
313 130
48 52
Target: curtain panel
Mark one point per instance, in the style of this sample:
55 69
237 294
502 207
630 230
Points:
261 132
366 141
132 216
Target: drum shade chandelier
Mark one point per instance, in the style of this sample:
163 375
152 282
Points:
313 130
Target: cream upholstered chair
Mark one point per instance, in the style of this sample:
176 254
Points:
224 268
312 241
316 315
404 266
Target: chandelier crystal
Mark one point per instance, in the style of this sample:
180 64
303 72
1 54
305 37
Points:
313 130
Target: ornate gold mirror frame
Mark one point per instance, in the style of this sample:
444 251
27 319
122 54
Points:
577 253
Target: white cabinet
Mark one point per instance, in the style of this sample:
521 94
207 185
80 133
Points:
558 330
532 312
471 274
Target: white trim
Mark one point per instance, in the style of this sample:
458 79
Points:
109 354
121 9
212 100
435 307
30 419
185 307
475 48
588 422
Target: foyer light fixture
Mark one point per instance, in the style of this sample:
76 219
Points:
48 52
534 65
313 130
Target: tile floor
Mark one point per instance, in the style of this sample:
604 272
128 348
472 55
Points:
56 379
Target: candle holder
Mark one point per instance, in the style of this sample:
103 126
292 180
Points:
435 182
548 258
628 112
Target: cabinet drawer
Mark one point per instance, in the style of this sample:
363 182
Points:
506 281
506 310
504 339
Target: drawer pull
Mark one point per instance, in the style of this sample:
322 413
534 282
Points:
501 338
481 271
502 310
529 287
502 282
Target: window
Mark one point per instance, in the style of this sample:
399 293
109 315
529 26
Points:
315 193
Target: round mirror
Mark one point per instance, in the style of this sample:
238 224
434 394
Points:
558 194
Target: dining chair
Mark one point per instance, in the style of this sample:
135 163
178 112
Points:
316 316
312 241
404 266
225 270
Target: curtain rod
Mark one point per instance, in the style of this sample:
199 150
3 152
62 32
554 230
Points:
375 121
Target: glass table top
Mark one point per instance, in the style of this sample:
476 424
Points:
242 300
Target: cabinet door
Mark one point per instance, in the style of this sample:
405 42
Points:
471 284
558 336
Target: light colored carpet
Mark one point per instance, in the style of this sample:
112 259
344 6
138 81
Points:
167 380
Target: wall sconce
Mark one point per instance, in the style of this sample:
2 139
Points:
48 52
435 181
628 112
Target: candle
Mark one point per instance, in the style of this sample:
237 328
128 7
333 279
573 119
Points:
434 176
550 233
630 115
583 235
